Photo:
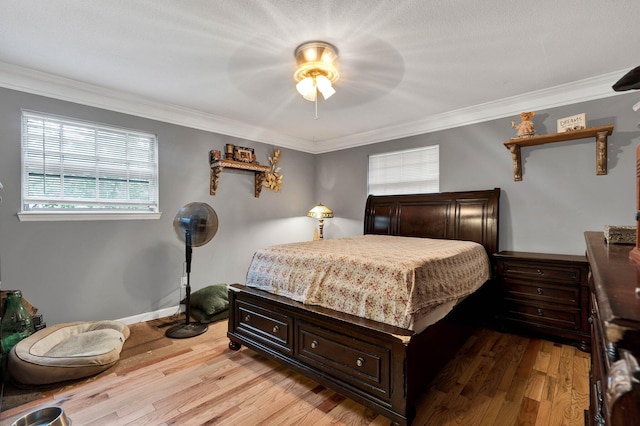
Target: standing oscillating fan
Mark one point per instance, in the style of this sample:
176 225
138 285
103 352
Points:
195 224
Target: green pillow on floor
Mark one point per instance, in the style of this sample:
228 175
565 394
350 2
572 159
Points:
210 300
200 316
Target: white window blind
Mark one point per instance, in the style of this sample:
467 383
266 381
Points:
410 171
79 166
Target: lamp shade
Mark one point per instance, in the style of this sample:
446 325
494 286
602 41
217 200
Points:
320 212
324 86
307 88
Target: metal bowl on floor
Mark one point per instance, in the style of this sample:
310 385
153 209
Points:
48 416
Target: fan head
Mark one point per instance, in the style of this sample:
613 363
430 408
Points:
199 219
629 81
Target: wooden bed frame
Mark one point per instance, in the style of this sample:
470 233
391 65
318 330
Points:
378 365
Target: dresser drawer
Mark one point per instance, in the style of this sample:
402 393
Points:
261 324
540 292
351 360
541 271
543 314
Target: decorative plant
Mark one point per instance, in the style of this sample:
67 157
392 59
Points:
273 178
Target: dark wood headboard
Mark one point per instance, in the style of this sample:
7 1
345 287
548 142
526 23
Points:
470 216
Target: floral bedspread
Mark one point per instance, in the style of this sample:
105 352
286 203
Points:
384 278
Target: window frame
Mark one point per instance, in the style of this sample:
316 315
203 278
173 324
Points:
94 213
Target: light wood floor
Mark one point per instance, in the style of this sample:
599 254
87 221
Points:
496 379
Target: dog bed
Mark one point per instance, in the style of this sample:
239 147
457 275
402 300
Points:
67 351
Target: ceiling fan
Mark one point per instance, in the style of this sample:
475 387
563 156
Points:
195 224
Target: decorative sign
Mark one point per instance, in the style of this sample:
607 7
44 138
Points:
575 122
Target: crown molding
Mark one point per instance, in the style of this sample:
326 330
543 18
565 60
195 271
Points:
571 93
53 86
39 83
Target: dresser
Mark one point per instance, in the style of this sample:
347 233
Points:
615 328
544 294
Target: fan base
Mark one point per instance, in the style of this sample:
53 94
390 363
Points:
183 331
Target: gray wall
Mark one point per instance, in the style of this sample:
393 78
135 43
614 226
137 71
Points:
75 271
558 199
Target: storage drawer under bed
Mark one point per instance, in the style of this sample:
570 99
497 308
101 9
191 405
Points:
360 363
266 326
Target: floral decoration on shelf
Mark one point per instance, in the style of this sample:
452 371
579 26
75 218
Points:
273 178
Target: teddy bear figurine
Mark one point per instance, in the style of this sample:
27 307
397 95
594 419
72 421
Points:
525 127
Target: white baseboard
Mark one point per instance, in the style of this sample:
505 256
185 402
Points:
148 316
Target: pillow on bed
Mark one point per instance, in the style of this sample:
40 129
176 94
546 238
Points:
210 300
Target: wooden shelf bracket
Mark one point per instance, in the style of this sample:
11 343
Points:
600 133
217 166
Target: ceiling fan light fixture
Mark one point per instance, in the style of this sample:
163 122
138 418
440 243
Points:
311 96
324 86
307 88
316 69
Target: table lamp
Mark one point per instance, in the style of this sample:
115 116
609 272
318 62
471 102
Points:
320 212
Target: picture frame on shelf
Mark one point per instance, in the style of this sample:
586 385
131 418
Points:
244 155
575 122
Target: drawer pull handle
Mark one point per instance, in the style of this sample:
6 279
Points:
314 344
247 318
539 290
540 312
360 362
276 329
540 272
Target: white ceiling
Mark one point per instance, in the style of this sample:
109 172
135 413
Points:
407 67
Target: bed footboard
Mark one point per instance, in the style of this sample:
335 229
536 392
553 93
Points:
379 366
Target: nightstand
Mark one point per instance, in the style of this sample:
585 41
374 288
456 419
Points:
544 294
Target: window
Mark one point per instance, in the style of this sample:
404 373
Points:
405 172
72 167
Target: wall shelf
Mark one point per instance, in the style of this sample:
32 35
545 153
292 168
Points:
600 133
217 166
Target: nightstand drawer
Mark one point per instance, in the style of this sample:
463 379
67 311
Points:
569 295
546 294
541 271
360 363
270 327
549 315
